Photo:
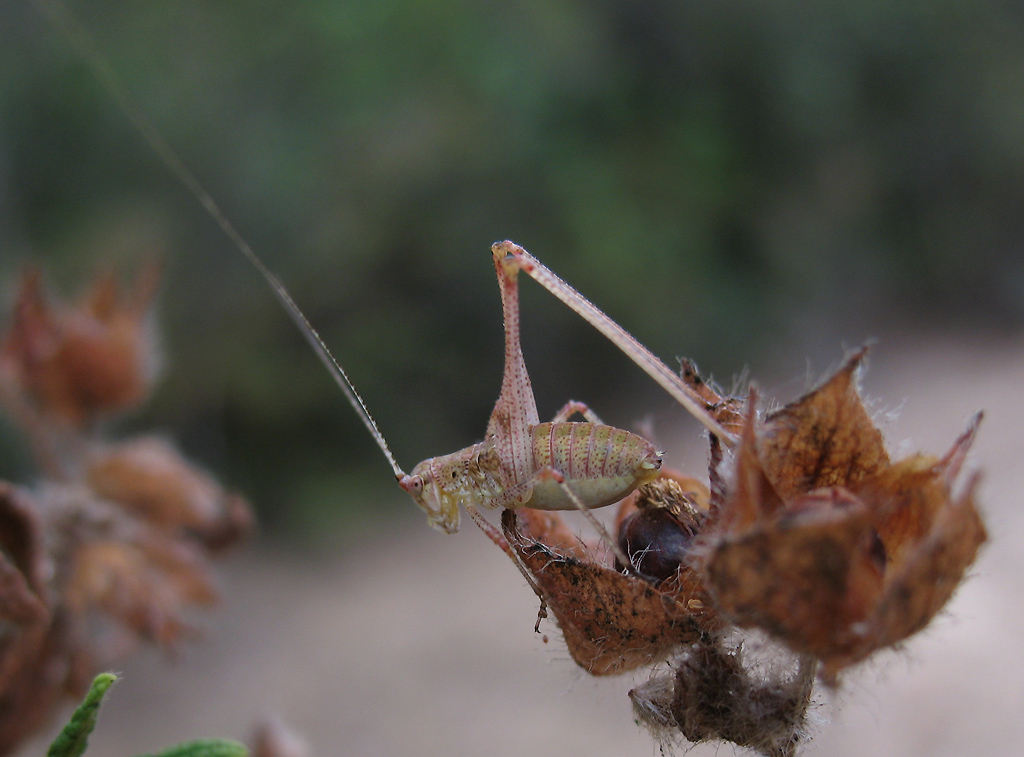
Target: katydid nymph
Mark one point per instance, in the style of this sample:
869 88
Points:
521 462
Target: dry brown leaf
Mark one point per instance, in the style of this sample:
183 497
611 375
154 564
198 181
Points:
28 688
548 527
23 593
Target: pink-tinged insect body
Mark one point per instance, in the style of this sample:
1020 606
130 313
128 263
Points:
600 464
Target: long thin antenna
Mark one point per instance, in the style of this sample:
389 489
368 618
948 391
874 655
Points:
81 41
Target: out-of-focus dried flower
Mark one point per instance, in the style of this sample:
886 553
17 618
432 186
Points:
77 362
138 578
150 478
104 581
112 547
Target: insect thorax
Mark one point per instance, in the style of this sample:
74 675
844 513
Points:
471 476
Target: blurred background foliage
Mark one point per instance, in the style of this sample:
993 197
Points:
731 181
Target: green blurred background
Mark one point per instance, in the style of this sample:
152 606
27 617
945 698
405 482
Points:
738 182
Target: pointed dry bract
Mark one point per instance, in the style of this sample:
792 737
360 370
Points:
612 622
826 438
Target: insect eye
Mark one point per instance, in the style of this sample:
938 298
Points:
412 484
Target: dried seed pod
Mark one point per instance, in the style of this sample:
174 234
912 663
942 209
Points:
658 534
656 541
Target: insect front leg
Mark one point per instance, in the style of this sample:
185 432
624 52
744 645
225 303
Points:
496 536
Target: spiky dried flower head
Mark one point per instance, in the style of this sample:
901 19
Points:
824 542
807 531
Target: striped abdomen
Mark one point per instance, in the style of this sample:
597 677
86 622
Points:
601 464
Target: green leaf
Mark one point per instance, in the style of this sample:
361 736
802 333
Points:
204 748
71 741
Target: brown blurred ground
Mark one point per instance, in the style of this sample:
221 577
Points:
421 644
